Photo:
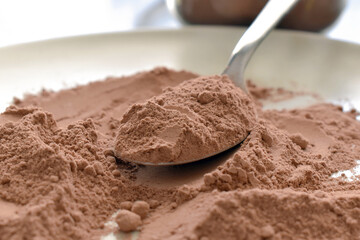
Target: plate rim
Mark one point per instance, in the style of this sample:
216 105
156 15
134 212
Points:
194 28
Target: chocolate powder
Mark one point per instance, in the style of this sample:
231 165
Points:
59 178
198 118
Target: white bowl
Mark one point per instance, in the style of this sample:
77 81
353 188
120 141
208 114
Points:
289 59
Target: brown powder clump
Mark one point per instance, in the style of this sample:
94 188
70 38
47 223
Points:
299 140
141 208
127 221
198 118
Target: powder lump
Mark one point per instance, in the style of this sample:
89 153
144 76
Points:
127 221
141 208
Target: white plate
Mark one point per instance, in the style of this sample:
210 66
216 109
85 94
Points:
294 60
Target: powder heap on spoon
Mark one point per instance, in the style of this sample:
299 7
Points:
196 119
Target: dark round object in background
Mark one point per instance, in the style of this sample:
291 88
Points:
308 15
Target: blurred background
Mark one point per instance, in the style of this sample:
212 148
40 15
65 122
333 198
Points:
32 20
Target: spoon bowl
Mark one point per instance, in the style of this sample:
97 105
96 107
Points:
182 162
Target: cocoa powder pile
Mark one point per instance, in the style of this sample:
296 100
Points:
195 119
60 179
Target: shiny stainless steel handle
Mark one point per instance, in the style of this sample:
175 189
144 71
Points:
267 19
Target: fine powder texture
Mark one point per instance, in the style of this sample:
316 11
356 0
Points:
60 179
191 121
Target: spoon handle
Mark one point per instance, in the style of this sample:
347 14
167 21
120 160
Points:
267 19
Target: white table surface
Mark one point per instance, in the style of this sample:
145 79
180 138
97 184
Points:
26 21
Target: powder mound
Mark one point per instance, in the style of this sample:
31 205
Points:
198 118
59 178
280 214
290 150
55 177
127 221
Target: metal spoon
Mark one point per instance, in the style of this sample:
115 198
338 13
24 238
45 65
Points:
267 19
